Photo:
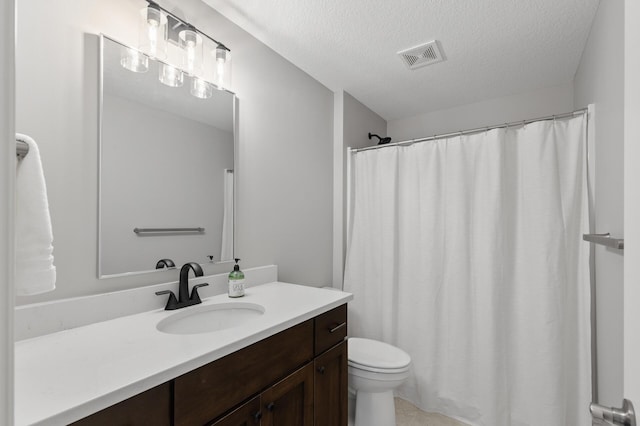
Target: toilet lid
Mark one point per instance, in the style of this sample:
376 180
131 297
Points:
376 354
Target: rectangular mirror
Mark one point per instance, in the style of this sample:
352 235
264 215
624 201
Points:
166 166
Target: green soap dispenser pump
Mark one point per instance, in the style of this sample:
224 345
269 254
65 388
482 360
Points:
236 281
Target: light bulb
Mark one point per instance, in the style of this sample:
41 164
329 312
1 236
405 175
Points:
221 59
153 39
189 42
153 26
191 55
152 31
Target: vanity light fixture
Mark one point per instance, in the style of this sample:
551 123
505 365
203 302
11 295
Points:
152 33
191 43
134 60
201 88
179 46
223 61
170 75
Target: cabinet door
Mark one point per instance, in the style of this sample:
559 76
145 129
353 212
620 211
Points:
208 392
290 401
248 414
331 388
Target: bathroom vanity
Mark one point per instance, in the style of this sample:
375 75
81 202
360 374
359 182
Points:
287 366
291 378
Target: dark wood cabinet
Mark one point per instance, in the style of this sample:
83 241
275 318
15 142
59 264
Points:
330 329
248 414
290 401
297 377
209 391
331 387
152 407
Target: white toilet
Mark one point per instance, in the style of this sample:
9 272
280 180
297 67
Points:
375 370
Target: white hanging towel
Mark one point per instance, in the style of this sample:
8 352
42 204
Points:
35 272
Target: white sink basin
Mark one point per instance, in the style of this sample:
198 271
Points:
208 318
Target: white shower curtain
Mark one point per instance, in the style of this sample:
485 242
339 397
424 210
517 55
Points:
467 253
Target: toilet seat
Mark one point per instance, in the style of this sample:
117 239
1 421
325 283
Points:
378 370
375 356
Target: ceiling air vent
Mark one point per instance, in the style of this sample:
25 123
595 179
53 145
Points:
420 56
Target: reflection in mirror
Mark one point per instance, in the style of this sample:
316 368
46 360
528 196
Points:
166 167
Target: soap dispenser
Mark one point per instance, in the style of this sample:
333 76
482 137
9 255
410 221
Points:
236 281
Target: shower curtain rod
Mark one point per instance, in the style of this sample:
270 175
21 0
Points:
476 130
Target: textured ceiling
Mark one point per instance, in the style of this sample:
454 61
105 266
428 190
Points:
493 47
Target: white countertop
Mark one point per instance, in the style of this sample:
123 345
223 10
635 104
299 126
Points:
65 376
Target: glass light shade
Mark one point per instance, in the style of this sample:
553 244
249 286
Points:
191 43
201 88
134 60
152 32
171 76
222 74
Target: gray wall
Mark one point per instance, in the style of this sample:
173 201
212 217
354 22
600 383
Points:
537 103
600 80
357 121
285 141
7 205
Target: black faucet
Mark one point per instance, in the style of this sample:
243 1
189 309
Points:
184 299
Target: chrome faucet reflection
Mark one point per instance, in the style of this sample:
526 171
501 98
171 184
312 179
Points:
183 300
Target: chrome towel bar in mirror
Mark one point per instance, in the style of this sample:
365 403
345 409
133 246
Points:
167 230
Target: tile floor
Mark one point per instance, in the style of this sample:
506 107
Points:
408 415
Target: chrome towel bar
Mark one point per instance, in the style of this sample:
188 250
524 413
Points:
22 149
139 231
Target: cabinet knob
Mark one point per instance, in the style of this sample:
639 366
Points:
271 406
321 370
257 416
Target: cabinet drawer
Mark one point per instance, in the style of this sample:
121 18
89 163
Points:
330 328
211 390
